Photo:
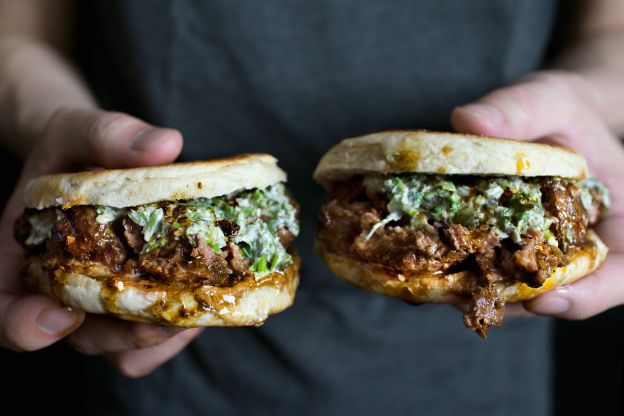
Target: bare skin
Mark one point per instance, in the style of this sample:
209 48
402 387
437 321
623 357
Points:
50 119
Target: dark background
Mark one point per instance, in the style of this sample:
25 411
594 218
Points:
587 357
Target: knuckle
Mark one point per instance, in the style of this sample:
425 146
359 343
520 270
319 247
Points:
82 347
102 126
564 85
124 366
582 306
128 368
15 340
144 336
580 311
517 102
57 117
589 301
14 333
53 132
520 96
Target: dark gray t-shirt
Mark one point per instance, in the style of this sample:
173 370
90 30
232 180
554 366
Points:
292 78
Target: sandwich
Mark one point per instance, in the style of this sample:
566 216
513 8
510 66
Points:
453 218
191 244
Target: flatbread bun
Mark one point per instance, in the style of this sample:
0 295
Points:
423 151
122 188
94 289
455 288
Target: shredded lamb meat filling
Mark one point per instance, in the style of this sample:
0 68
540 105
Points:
77 237
439 248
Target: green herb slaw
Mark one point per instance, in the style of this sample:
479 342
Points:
258 213
424 199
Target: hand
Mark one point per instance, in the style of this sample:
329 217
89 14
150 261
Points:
558 107
77 139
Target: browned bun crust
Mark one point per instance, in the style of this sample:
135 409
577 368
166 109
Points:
455 288
94 289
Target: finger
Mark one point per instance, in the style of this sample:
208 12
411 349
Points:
517 310
592 294
138 363
32 322
107 139
587 297
101 335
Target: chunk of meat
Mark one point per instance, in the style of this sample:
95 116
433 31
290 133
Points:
563 200
487 261
526 258
202 250
192 273
179 262
22 227
406 250
339 224
463 239
93 241
285 236
537 259
78 236
134 236
438 248
369 219
486 309
229 228
598 206
237 260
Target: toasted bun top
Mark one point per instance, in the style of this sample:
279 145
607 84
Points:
129 187
423 151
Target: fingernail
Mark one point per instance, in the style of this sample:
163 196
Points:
56 321
171 330
554 306
146 138
485 112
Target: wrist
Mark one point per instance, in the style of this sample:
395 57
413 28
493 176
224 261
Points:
35 82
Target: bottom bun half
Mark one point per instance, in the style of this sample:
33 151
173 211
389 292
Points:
455 288
94 289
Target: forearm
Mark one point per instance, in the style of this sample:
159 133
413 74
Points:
34 82
600 63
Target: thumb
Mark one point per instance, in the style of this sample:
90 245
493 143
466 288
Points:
551 106
28 323
72 138
545 104
106 139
